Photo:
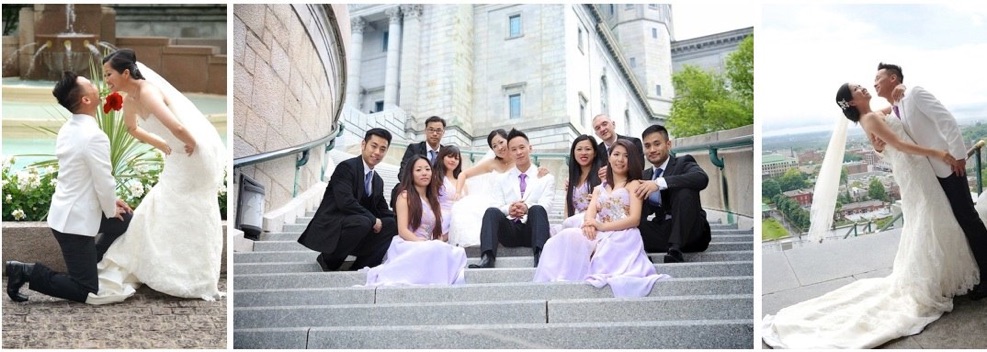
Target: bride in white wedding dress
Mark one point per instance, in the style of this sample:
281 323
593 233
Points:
467 212
933 263
174 243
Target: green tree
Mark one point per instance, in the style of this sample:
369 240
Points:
707 101
791 180
876 191
769 188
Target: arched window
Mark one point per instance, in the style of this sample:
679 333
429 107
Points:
604 107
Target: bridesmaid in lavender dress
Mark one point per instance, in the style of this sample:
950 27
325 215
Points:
447 170
607 249
583 178
417 255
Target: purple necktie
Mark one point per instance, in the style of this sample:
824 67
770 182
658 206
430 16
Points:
896 113
524 184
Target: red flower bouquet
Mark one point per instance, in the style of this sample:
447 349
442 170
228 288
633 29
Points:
114 102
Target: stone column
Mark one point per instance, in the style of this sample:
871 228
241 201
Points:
353 63
409 61
393 58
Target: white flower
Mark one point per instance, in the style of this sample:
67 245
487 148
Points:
8 199
54 181
27 180
18 214
8 161
135 187
49 169
141 169
843 104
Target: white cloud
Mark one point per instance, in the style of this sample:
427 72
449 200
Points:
804 52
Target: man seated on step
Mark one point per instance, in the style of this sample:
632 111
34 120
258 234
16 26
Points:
353 218
679 223
521 220
435 128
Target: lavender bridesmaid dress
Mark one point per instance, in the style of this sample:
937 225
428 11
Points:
581 196
615 258
429 262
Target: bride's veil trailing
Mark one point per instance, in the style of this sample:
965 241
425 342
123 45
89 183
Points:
207 142
828 183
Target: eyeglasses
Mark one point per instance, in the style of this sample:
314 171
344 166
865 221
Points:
434 130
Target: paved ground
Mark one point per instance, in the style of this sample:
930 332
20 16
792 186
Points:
147 320
800 274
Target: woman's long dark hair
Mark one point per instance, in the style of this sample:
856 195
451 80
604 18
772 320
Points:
439 170
576 170
415 200
635 167
124 59
490 137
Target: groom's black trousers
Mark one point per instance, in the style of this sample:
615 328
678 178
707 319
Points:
958 193
497 229
81 254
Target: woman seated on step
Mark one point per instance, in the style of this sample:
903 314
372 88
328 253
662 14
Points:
608 248
582 180
419 255
448 166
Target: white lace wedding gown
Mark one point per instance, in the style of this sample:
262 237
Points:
933 264
467 213
174 243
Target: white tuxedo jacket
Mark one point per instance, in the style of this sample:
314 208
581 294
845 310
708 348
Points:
538 191
86 188
928 122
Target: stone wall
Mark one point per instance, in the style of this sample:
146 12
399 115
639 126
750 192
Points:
289 77
737 173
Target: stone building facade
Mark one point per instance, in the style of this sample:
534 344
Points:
289 81
545 69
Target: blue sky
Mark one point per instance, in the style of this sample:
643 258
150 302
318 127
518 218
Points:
697 18
804 52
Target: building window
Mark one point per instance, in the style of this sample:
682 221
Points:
654 33
515 105
580 38
629 7
633 62
378 106
658 89
653 6
612 9
582 110
603 96
384 45
515 26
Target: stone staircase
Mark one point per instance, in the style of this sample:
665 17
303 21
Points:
282 300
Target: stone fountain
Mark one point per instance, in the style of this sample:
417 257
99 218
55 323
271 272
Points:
61 38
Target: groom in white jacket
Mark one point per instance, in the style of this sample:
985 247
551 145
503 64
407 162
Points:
928 122
84 193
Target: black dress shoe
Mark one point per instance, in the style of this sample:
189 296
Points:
486 261
17 275
674 256
322 262
978 293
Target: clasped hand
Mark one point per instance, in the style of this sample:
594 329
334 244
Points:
517 209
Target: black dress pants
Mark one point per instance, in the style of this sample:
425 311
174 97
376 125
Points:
497 229
357 238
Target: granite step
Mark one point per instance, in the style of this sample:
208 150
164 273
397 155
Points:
347 278
474 251
499 312
299 227
502 262
702 334
265 294
716 237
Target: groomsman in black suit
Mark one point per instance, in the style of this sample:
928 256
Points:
680 223
435 128
605 129
521 218
353 218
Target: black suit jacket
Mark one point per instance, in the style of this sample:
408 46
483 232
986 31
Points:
345 196
681 172
420 148
604 158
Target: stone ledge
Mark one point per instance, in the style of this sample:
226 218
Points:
33 242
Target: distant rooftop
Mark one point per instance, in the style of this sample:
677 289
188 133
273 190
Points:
774 158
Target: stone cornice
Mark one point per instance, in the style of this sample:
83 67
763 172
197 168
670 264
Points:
711 42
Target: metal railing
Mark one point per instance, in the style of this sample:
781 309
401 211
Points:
714 148
301 153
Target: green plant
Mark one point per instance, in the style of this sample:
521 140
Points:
27 193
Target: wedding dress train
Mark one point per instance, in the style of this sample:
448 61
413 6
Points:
933 264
